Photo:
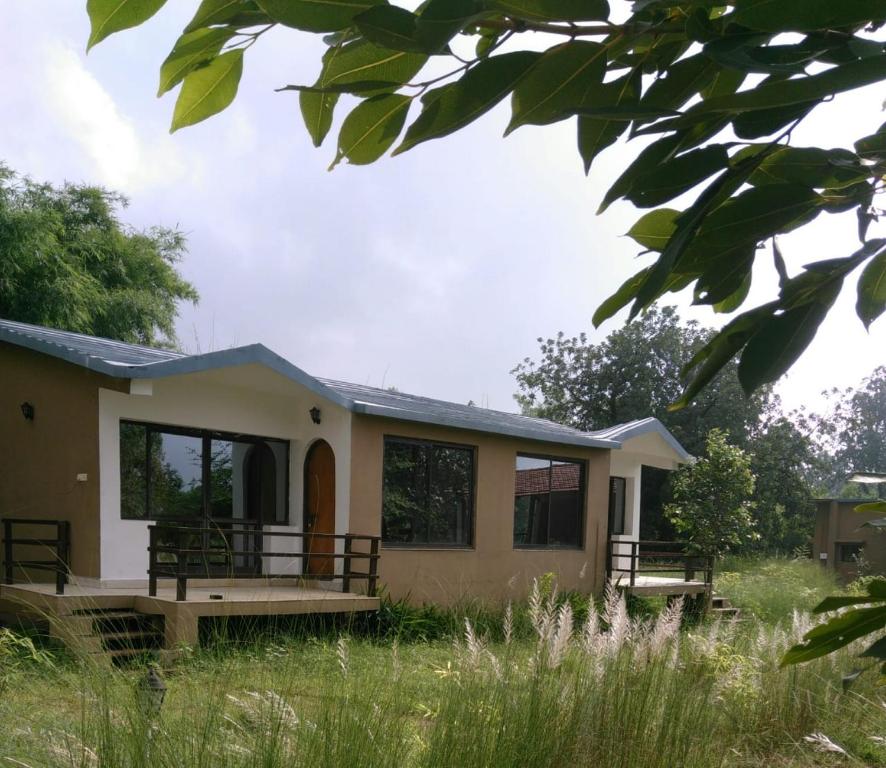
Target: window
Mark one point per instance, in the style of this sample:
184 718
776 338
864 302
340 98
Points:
548 502
617 488
192 475
849 552
428 493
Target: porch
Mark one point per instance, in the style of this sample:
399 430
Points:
666 568
188 579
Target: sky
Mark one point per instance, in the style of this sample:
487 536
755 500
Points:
434 272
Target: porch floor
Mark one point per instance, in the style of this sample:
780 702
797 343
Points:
238 598
659 585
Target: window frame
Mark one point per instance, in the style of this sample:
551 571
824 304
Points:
206 436
472 498
583 503
624 507
839 552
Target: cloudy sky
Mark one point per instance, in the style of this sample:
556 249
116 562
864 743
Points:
433 272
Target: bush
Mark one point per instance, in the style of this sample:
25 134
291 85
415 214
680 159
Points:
773 588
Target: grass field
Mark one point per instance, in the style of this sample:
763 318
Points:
554 685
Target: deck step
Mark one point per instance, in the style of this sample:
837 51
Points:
722 607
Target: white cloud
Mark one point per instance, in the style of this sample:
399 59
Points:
87 113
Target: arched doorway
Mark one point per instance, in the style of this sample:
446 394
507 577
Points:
319 510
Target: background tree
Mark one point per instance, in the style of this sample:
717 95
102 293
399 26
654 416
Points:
634 373
68 262
717 88
712 505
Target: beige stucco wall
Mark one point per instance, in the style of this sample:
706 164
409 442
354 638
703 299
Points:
492 569
837 521
41 459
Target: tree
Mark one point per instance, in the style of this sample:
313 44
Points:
68 262
717 89
712 498
634 373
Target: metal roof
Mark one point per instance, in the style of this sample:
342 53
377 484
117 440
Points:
134 361
399 405
649 425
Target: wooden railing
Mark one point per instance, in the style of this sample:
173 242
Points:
59 547
656 558
187 561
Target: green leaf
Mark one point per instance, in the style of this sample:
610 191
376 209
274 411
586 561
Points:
552 10
873 147
361 61
648 159
811 166
713 356
316 110
806 15
390 26
872 290
678 175
594 135
560 80
236 13
620 299
756 214
207 90
798 90
440 20
764 122
191 50
877 650
714 195
726 275
838 632
316 15
653 230
455 105
734 300
683 80
109 16
371 128
872 506
778 343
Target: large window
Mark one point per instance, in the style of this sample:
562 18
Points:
548 502
428 494
191 475
617 488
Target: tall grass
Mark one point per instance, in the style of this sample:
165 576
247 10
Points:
601 690
773 588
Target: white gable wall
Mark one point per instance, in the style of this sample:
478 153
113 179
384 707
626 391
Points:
217 400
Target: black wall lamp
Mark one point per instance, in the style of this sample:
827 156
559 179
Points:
28 411
315 414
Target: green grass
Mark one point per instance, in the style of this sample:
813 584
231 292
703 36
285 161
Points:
613 692
771 589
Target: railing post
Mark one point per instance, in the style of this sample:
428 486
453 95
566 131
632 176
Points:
373 567
346 566
610 563
7 551
152 560
181 563
63 542
635 554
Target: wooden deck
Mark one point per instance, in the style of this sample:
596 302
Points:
180 617
648 586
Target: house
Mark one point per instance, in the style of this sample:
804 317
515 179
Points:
209 469
847 541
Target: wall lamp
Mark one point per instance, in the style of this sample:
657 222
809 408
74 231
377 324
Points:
315 414
28 411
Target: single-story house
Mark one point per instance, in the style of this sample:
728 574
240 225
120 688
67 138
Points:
273 469
845 541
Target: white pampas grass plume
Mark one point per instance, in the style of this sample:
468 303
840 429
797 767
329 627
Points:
344 656
823 744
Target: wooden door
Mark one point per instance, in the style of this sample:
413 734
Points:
319 512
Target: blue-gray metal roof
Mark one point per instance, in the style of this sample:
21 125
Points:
399 405
133 361
649 425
